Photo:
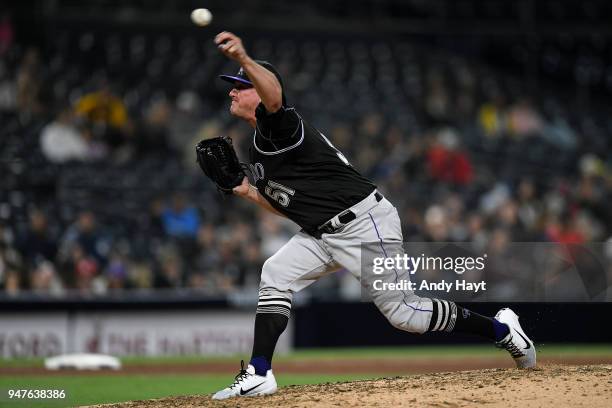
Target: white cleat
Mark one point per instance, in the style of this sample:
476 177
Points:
517 343
248 384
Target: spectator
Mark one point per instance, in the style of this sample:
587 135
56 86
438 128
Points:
116 272
154 224
454 206
229 270
44 279
29 83
371 126
565 231
38 244
524 120
436 224
151 135
447 162
185 121
11 265
559 133
412 224
529 211
477 233
6 33
492 117
207 252
84 268
250 265
92 243
181 219
105 113
12 283
170 272
61 141
141 275
437 102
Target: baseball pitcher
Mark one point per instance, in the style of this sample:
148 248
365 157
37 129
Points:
299 174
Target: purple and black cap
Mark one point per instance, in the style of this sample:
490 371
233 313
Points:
242 77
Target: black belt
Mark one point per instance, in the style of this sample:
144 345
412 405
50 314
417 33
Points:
344 218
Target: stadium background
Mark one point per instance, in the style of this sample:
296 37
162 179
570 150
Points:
483 121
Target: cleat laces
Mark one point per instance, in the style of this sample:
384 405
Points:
242 375
512 348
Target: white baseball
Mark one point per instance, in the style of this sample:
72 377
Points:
201 16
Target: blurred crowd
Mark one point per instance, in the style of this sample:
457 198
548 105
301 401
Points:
101 193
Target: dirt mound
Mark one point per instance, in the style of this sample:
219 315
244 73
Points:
548 386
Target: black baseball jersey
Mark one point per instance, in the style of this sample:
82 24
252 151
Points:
299 171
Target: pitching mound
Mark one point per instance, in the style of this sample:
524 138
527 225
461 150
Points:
549 386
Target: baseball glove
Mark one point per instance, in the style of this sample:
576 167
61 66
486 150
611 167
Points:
218 160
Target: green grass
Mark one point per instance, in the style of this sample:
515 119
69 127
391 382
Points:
425 352
92 389
84 390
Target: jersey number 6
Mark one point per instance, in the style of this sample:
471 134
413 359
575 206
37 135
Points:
279 193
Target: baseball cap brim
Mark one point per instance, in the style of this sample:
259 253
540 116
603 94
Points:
233 79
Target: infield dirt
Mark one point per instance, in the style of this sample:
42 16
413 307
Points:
548 386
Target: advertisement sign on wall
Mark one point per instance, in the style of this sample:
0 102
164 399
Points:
158 333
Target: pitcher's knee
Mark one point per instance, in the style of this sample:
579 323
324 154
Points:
271 270
273 289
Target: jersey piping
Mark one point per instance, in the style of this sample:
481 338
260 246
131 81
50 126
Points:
299 142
